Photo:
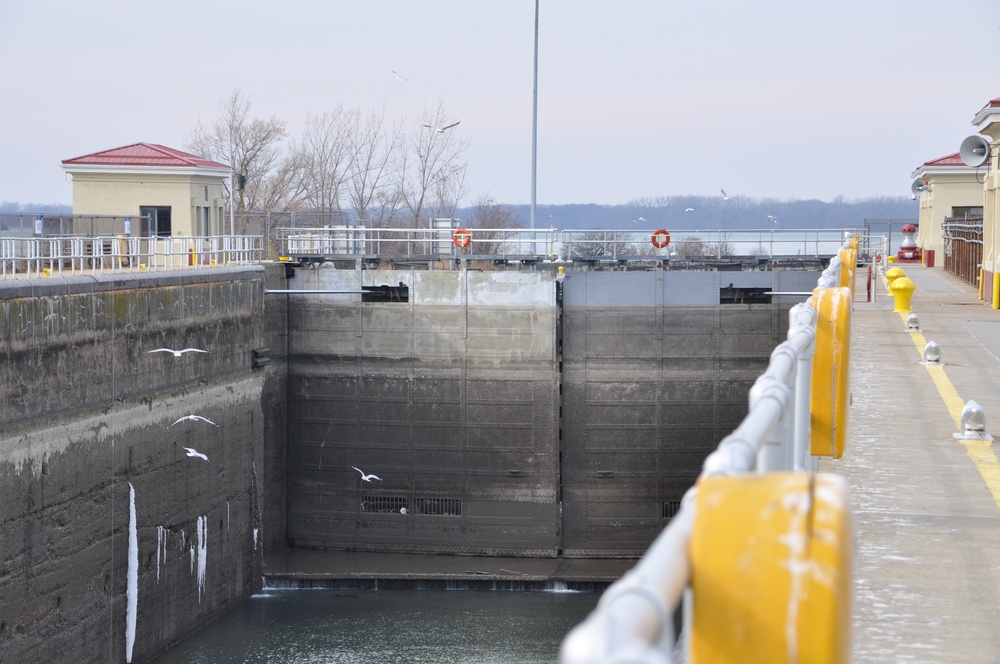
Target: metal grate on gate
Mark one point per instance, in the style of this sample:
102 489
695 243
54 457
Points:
401 504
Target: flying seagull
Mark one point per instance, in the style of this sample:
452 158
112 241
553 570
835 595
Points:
177 353
195 417
635 221
772 219
689 209
441 130
725 197
367 478
195 453
399 76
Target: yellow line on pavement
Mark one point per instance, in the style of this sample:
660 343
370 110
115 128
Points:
980 451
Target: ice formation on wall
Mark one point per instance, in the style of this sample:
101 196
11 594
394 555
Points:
132 576
202 553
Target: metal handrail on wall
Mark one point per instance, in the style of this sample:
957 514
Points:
439 243
31 257
633 619
963 247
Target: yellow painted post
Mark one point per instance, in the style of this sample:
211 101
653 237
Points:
849 266
771 570
831 379
996 290
892 274
902 292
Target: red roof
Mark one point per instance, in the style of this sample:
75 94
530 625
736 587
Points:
950 160
144 154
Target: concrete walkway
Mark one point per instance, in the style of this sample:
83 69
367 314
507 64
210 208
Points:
926 505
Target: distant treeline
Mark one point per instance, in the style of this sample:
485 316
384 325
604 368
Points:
701 212
672 213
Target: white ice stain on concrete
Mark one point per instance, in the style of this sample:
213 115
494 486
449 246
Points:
254 539
191 550
132 576
228 516
161 549
202 553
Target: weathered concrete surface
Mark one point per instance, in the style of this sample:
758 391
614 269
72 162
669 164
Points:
504 423
655 373
450 398
927 526
89 417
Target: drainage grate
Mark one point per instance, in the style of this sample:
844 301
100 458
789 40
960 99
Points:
670 508
383 504
441 506
400 504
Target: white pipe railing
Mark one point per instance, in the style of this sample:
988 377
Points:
30 257
633 620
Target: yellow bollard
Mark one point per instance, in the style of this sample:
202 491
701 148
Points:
830 397
771 568
902 292
892 274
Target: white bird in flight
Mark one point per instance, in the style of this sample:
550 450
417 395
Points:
367 478
636 221
195 453
194 417
772 219
441 130
177 353
725 197
399 76
689 209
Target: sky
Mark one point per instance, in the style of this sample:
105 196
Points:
636 98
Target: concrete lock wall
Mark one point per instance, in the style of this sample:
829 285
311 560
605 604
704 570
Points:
502 423
116 542
450 398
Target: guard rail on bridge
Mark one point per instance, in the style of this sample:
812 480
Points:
759 555
28 257
349 242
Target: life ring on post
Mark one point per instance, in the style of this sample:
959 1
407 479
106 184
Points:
461 237
660 238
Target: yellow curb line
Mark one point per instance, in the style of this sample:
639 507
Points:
980 451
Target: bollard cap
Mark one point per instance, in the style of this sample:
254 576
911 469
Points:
932 353
894 273
903 284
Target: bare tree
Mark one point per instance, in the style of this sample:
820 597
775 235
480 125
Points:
252 147
490 222
431 162
372 188
324 157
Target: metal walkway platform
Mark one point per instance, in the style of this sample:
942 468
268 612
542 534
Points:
926 505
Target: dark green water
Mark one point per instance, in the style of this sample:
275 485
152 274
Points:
336 626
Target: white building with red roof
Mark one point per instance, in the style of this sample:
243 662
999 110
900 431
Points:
987 123
950 189
171 193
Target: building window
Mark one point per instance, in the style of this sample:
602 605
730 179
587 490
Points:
159 219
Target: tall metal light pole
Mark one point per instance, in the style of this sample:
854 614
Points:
534 125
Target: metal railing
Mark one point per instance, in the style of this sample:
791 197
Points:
963 247
632 621
29 257
631 243
415 243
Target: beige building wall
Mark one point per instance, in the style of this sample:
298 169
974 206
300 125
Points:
950 190
195 201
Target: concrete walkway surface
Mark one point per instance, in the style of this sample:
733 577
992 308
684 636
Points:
926 505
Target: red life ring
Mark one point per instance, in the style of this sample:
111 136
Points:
661 238
461 237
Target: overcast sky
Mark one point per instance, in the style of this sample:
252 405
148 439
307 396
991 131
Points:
636 98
